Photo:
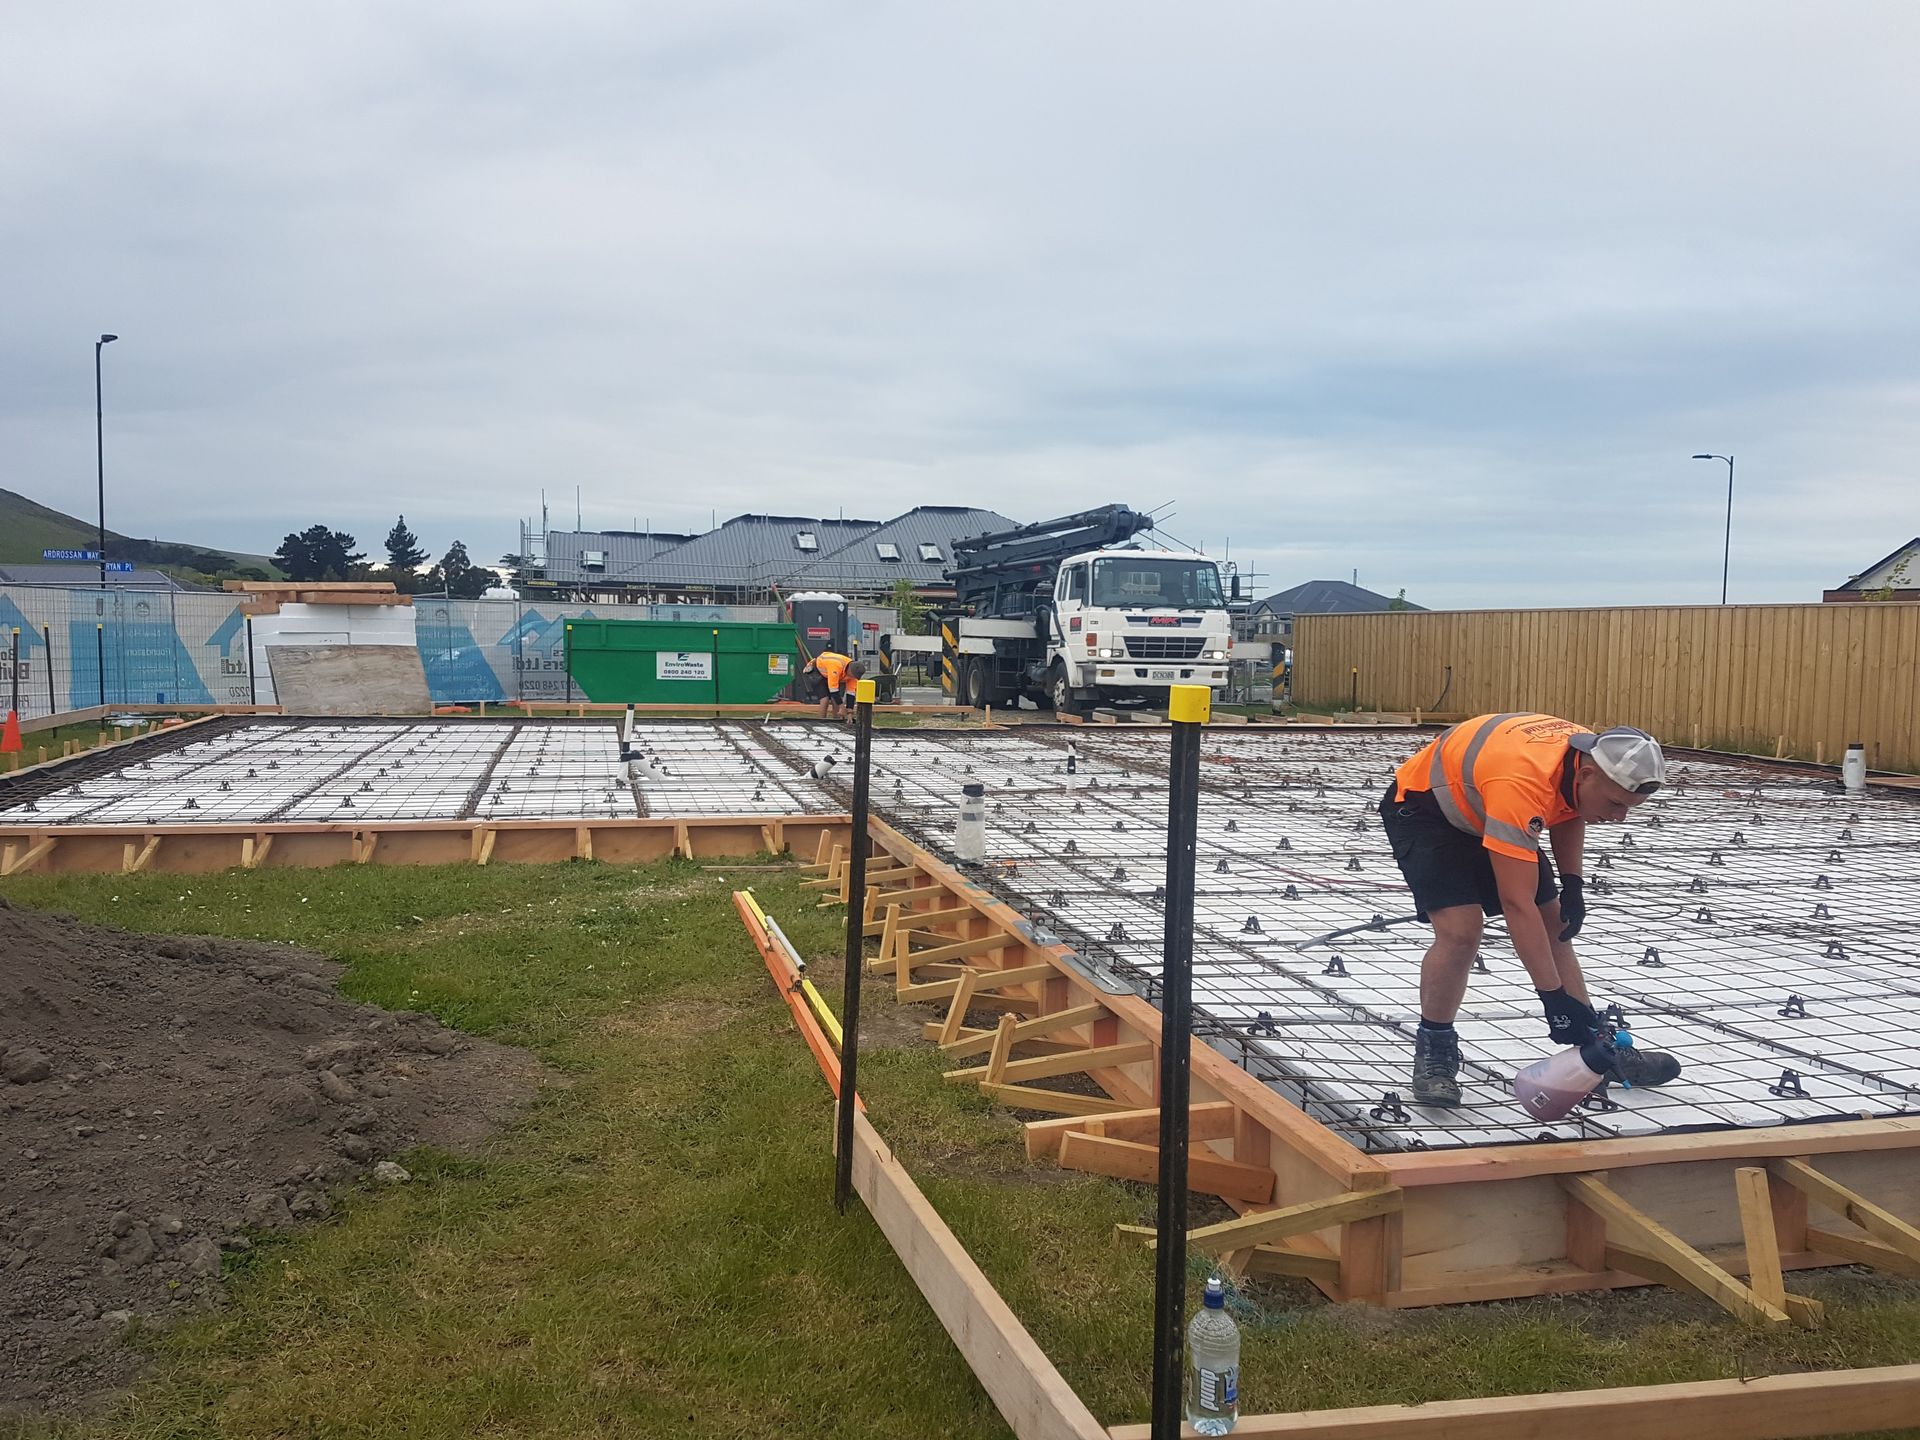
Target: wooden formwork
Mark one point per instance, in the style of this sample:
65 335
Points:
1726 1214
201 849
1310 1204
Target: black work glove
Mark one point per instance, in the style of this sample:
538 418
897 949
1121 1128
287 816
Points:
1573 905
1569 1021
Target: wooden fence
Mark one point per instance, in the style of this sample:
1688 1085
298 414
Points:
1800 681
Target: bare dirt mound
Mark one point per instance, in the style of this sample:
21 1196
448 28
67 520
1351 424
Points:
160 1097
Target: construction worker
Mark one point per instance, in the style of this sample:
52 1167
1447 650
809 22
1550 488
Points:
830 666
1465 817
840 674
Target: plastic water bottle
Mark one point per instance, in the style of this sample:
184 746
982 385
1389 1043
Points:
970 827
1853 768
1213 1365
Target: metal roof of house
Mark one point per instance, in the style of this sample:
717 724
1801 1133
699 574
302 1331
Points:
1327 597
625 549
861 564
87 577
749 550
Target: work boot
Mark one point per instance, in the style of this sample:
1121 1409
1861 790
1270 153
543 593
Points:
1639 1069
1436 1067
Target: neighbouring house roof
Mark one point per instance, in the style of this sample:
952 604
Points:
874 561
750 551
1327 597
624 549
1881 572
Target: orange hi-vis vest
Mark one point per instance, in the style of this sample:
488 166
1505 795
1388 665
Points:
832 666
1498 777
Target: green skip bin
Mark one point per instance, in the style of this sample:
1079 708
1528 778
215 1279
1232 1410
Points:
675 662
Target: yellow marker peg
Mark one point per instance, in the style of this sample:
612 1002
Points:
1190 704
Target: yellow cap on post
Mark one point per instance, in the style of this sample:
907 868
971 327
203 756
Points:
1190 704
864 691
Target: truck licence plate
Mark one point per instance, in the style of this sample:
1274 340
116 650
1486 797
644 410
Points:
1163 674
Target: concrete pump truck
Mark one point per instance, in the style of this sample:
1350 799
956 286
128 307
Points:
1074 612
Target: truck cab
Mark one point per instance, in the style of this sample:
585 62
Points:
1073 611
1124 625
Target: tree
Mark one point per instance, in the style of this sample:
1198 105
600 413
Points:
907 609
516 568
318 553
1399 602
1896 579
403 555
458 577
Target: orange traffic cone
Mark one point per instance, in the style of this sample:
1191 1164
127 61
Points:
10 737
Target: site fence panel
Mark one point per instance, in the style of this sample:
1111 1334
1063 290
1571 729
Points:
1802 681
121 646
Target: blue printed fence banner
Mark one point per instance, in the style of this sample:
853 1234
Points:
121 646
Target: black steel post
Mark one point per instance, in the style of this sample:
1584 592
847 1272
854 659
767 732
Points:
716 674
253 689
46 636
100 456
566 655
15 706
856 945
100 658
1188 708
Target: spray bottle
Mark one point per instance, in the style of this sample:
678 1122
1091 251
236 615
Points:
1550 1087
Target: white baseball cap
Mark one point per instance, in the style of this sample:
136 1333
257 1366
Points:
1631 758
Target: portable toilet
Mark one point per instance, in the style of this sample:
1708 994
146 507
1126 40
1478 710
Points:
820 621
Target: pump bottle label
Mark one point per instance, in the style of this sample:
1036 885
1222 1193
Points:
1219 1389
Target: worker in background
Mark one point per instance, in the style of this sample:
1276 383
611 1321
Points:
839 674
828 668
1465 817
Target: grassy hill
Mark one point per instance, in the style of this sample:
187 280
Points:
28 527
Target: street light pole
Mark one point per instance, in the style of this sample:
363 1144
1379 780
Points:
100 455
1726 553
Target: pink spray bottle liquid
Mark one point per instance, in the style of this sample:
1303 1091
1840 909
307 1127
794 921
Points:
1552 1086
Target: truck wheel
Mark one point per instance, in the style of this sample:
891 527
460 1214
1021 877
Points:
979 693
1063 701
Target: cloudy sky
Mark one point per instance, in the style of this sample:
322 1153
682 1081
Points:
1444 294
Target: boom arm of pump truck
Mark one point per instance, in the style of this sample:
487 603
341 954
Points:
982 561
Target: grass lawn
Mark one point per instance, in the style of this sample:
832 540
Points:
85 736
655 1241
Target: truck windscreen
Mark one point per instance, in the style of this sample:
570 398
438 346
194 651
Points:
1149 582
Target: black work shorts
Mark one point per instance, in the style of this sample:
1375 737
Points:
1444 866
840 699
